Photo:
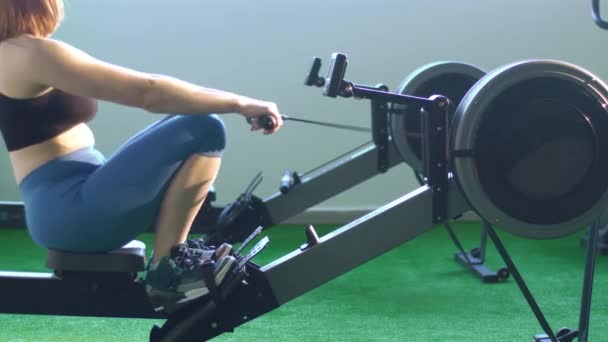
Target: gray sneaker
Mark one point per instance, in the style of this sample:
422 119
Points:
209 251
179 278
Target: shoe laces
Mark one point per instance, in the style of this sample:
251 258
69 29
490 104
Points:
199 243
187 258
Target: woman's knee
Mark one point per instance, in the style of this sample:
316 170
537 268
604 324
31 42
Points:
210 132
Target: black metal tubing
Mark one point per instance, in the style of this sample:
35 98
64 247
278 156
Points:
77 294
520 282
602 242
588 282
596 15
435 125
380 133
365 92
358 242
328 181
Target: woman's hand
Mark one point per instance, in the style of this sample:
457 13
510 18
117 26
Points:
251 108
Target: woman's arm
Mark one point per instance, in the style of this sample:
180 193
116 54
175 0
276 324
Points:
47 62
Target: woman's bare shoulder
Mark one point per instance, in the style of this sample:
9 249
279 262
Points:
14 56
20 44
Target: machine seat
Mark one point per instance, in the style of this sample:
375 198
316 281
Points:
129 258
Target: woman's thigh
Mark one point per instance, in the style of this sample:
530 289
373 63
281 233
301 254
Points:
121 198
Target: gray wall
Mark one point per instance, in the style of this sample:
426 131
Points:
263 48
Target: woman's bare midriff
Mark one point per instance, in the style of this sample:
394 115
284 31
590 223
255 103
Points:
29 158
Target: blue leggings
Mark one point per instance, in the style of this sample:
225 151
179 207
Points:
80 202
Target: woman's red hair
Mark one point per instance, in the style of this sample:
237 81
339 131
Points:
36 17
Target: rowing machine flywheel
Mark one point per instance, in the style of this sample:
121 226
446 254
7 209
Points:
450 79
529 148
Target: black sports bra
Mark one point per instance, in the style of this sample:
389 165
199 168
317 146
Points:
26 122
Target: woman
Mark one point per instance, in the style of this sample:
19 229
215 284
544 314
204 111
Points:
76 200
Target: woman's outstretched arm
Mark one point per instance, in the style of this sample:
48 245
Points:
47 62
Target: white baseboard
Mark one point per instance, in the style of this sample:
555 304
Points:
342 216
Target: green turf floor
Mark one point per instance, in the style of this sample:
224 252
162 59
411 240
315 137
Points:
414 293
